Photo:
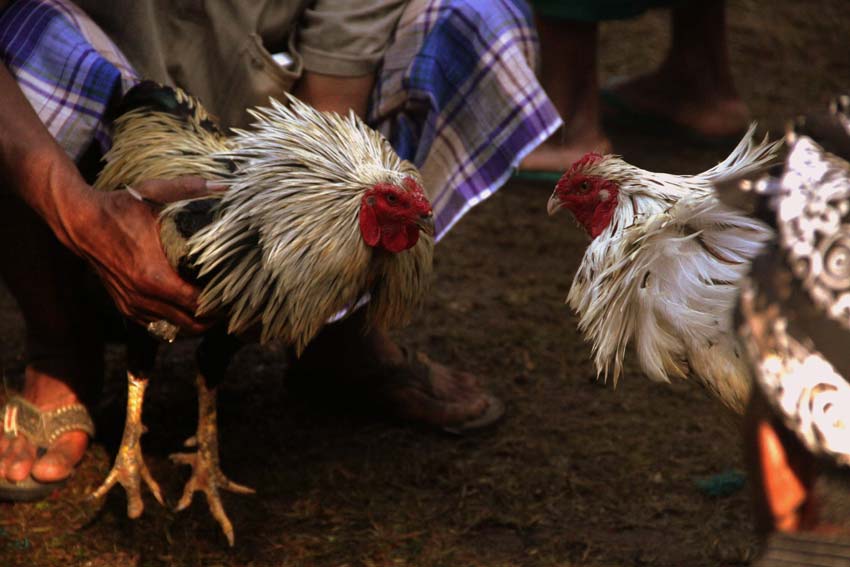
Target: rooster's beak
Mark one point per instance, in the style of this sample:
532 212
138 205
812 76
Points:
426 223
553 205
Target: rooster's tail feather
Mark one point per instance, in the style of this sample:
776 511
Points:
162 132
747 157
151 96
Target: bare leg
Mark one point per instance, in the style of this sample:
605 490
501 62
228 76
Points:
63 341
206 472
694 86
129 469
569 76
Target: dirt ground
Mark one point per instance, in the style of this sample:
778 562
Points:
578 473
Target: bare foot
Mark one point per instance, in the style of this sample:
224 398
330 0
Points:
558 157
18 457
371 369
694 87
665 93
425 391
569 77
63 338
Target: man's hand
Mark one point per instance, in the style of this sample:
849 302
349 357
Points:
114 231
121 241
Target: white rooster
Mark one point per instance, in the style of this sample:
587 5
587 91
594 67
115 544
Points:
663 266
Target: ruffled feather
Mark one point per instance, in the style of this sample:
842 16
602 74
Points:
663 276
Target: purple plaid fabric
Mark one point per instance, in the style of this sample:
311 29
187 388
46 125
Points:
66 67
456 93
457 96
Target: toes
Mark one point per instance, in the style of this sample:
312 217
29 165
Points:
153 485
237 488
4 444
444 397
467 381
418 405
452 385
18 458
458 412
10 455
21 457
5 455
61 458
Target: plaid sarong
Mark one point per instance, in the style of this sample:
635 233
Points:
456 94
458 97
67 68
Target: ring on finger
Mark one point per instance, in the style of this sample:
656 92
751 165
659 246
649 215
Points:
163 330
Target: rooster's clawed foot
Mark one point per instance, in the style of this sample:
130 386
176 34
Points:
129 468
206 474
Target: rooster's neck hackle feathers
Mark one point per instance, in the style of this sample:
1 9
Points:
664 273
300 178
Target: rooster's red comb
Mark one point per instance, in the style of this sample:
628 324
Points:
417 192
580 164
586 160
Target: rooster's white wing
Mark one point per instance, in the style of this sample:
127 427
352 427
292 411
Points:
671 290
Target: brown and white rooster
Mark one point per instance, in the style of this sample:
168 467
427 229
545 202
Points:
318 214
663 266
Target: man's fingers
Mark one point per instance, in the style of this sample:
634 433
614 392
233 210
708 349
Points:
155 295
186 321
183 294
144 310
127 253
164 191
184 302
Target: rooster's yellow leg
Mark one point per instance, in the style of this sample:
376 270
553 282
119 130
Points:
129 468
206 474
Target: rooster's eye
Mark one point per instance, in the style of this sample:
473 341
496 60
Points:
584 186
391 199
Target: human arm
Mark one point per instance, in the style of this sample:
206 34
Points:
114 232
334 93
342 43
